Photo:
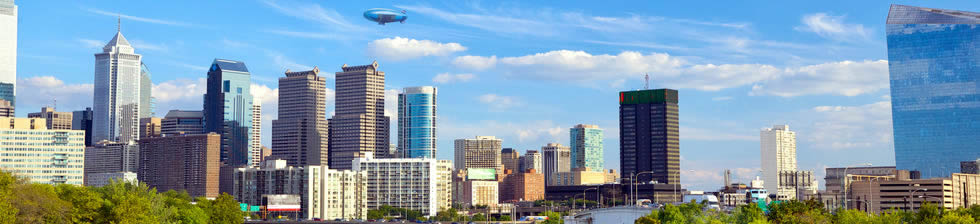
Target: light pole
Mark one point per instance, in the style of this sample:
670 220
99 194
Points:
912 196
584 196
844 182
636 196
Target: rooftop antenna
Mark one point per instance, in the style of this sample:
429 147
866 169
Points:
647 84
118 23
55 107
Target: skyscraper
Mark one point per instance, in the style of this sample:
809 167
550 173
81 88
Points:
299 135
557 158
586 146
510 159
359 125
150 127
118 84
54 120
531 160
480 152
417 122
82 120
932 59
183 162
649 135
8 50
778 151
256 140
228 110
146 94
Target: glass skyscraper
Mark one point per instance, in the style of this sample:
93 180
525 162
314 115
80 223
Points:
228 110
118 85
586 146
7 92
417 122
650 135
8 49
934 66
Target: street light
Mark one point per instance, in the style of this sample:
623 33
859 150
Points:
636 196
844 181
912 196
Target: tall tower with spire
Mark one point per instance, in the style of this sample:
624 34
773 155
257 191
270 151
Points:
119 84
8 50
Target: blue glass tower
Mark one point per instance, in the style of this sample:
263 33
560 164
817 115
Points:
934 66
228 110
586 146
417 122
7 92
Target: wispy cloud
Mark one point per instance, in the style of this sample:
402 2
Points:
833 27
311 35
89 43
722 98
285 63
498 102
143 45
400 48
37 91
137 18
851 127
445 78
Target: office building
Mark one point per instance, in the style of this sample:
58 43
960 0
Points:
531 160
778 152
117 92
585 176
150 127
418 184
359 125
41 155
586 146
299 135
931 53
480 193
82 120
102 179
324 193
526 186
8 50
55 120
949 193
970 167
557 159
6 109
110 157
228 110
146 95
182 122
510 159
417 122
796 184
256 141
480 152
184 162
835 176
649 135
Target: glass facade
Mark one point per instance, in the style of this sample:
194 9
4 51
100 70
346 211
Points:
7 92
586 147
228 110
146 97
934 66
417 122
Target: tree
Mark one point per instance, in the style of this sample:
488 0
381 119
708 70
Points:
450 214
223 209
479 217
39 203
126 202
8 213
504 218
553 218
85 202
749 213
180 210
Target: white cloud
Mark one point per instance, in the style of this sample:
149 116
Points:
139 19
833 27
326 17
489 22
444 78
35 92
143 45
285 63
722 98
846 78
264 94
400 48
89 43
179 94
852 127
513 133
391 105
691 133
498 102
475 62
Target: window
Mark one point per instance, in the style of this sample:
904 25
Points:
227 86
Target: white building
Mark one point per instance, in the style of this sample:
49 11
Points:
117 92
256 141
43 156
420 184
480 192
102 179
531 160
324 193
778 146
8 42
106 158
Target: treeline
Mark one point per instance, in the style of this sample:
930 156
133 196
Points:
118 202
807 212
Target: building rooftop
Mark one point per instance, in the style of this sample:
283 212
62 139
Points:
903 14
228 65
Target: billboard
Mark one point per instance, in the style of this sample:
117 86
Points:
481 174
281 202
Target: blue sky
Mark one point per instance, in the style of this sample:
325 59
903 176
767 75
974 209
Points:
522 71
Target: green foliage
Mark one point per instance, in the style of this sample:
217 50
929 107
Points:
504 218
8 213
39 203
450 214
223 209
387 212
553 218
479 217
750 213
86 202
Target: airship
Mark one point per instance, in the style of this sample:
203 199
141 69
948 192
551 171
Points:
382 16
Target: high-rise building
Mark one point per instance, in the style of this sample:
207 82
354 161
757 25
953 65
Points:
184 162
557 158
45 156
526 186
110 157
299 135
146 94
586 146
531 160
256 140
228 110
55 120
82 120
427 189
417 122
359 125
511 159
8 50
150 127
118 83
650 135
6 108
324 193
931 58
182 122
480 152
778 151
970 167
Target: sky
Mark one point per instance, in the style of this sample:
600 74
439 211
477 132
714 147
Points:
525 72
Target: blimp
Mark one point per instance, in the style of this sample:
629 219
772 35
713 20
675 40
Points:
382 16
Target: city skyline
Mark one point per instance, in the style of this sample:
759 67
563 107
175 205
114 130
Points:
721 114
